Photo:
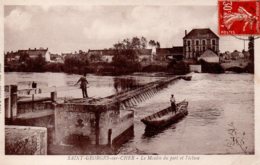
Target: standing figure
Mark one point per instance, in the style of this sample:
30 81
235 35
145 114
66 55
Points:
83 85
173 105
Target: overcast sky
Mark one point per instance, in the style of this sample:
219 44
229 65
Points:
73 28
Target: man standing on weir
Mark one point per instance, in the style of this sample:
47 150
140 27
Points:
173 105
83 85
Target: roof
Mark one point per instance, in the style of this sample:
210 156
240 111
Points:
112 52
33 51
170 51
208 53
200 33
103 51
55 55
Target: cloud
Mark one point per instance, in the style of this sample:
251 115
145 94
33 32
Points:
18 20
101 30
98 27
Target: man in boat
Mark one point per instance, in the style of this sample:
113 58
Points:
83 85
173 104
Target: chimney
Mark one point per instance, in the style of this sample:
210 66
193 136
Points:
185 32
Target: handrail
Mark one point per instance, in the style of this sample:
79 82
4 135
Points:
32 91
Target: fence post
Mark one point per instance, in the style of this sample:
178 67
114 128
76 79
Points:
54 96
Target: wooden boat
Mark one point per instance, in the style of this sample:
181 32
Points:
166 116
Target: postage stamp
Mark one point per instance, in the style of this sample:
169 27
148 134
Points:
239 17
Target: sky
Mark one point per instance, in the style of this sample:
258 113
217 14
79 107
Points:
72 28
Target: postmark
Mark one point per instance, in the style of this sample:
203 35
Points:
239 17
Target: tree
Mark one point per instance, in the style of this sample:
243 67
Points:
81 52
136 43
152 43
35 65
158 45
75 64
143 42
125 59
130 48
23 57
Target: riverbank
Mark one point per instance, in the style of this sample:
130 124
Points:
102 68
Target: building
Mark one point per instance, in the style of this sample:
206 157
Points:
12 57
56 58
106 55
103 55
165 54
31 53
34 53
209 56
197 41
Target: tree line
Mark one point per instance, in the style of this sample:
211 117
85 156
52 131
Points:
124 61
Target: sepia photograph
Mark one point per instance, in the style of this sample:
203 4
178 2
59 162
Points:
130 79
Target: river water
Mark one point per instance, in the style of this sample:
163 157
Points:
220 119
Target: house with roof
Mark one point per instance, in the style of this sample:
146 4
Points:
56 58
34 53
102 55
31 53
197 41
209 56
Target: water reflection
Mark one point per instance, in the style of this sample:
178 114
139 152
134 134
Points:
151 132
206 116
124 84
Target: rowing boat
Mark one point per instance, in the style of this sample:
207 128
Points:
166 116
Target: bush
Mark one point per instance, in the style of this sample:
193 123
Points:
75 65
154 68
122 65
54 67
178 67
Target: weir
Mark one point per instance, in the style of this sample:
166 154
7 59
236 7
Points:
105 121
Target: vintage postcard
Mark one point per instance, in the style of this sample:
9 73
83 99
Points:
175 82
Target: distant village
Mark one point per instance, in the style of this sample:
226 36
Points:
200 47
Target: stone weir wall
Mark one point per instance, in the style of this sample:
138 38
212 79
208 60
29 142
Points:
133 97
79 124
103 121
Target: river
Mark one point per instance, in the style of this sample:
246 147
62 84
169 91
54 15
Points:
220 119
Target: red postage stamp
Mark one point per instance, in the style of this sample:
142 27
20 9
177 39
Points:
239 17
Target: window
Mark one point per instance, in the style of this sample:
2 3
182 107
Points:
188 43
203 42
213 42
197 42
